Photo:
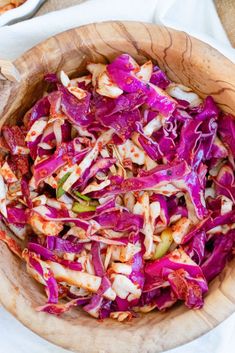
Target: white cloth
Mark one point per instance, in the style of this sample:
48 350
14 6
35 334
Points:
198 18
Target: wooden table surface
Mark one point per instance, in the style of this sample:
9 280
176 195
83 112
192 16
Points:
52 5
225 8
226 11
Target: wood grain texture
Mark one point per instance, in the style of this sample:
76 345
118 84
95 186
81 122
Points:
185 60
226 12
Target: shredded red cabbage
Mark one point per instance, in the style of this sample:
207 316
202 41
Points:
119 186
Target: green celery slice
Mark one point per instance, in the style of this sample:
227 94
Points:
79 207
163 246
81 196
60 191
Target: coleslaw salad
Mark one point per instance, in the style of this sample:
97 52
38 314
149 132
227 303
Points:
118 191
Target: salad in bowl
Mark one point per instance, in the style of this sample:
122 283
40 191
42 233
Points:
118 189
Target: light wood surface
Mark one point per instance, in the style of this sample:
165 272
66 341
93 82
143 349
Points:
53 5
226 12
185 60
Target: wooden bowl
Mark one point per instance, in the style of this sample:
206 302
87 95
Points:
186 60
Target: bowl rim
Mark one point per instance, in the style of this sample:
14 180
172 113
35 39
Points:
205 320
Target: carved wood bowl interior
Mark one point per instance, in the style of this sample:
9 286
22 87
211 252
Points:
186 60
